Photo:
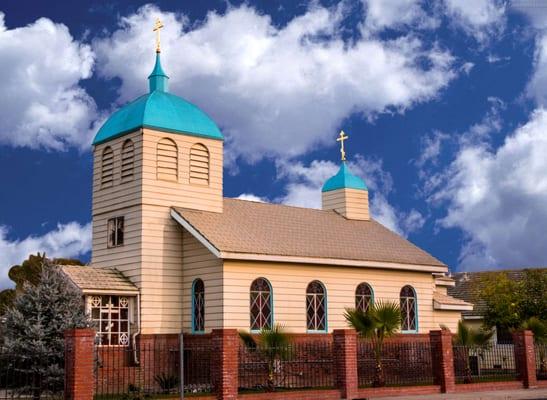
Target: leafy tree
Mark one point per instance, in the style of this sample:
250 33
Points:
29 271
500 295
532 299
380 321
272 344
472 341
35 325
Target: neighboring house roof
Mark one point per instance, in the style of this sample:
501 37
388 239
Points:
344 179
469 285
98 280
445 302
274 232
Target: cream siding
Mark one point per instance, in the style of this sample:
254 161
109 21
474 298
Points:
289 282
351 203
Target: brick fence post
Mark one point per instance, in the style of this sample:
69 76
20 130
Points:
79 359
442 356
224 363
345 361
525 358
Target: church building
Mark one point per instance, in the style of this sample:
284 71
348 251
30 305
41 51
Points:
171 253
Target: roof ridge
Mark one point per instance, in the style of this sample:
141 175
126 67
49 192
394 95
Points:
289 206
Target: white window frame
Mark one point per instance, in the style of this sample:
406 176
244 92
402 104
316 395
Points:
110 316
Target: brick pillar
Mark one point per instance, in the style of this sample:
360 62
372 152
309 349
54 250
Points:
345 359
224 363
525 358
442 356
79 360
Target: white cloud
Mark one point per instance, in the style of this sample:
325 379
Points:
42 104
275 91
481 19
67 240
251 197
382 14
305 182
537 87
498 197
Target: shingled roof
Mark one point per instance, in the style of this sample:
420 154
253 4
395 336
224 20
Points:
96 280
469 285
300 234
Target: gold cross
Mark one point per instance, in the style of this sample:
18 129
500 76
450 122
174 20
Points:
341 139
157 26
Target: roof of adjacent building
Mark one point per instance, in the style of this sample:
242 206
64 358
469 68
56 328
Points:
469 285
158 110
344 179
246 227
94 279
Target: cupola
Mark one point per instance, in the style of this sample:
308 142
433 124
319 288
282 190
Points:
345 193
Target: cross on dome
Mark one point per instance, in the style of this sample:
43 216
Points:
157 26
341 139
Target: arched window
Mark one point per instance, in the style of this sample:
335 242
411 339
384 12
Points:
198 306
316 307
107 167
261 304
128 156
199 164
409 309
363 297
167 160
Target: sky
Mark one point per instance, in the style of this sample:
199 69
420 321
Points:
443 102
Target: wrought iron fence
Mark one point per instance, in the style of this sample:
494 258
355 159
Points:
303 365
541 361
24 377
151 369
484 364
402 363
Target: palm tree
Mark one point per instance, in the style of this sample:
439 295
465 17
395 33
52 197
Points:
472 340
272 344
380 321
539 329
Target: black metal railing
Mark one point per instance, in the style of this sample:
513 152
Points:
295 366
151 369
402 363
541 361
484 364
30 377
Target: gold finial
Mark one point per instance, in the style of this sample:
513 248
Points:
157 26
341 139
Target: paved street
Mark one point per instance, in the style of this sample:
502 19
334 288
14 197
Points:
529 394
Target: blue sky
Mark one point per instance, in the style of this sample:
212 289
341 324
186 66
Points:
443 102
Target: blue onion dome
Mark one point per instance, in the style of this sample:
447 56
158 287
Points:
159 110
344 179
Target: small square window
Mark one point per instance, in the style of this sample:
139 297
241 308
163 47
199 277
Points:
115 232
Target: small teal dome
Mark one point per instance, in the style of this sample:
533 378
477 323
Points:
344 179
159 110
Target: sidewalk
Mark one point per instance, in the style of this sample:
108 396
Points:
529 394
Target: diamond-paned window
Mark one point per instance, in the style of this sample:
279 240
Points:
408 309
363 297
198 306
261 304
111 316
316 307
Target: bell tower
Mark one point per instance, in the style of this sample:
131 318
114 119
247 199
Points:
157 152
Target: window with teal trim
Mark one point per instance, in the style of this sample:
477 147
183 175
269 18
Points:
261 304
408 309
198 306
316 307
363 297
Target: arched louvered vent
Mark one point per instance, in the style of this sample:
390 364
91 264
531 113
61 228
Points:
107 168
167 160
128 156
199 164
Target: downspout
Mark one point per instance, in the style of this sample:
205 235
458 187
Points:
135 356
